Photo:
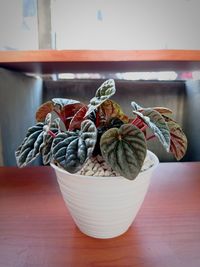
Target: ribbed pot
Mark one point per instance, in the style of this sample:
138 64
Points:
103 207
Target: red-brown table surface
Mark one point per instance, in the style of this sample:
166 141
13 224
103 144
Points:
37 230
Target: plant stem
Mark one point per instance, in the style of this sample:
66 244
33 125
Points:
136 121
144 128
51 133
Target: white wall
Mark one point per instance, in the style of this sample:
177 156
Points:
126 24
105 24
18 27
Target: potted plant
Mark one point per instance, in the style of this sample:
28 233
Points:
100 156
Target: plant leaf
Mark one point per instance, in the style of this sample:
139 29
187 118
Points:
57 104
113 123
72 149
178 145
161 110
64 101
135 106
47 145
104 92
31 146
53 120
68 112
43 110
75 122
110 109
124 149
89 135
157 124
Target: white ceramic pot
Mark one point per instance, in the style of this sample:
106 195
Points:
103 207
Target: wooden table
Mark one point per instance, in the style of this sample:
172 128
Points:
37 230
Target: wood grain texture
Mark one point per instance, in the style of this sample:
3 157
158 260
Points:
56 61
37 230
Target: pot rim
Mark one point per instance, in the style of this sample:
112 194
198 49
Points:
151 168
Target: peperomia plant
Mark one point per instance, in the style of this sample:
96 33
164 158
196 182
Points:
68 133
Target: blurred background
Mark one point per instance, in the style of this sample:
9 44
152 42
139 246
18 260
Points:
99 24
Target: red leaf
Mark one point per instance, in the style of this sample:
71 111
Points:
43 110
75 122
178 143
68 112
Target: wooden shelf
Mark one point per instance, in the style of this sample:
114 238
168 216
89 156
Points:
55 61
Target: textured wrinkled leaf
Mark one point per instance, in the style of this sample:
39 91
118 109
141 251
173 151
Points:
76 121
157 124
178 145
63 101
104 92
135 106
53 120
113 123
31 146
72 149
161 110
124 149
43 110
46 149
110 109
94 116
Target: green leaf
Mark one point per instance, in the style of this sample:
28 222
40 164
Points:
178 145
46 149
113 123
104 92
157 124
161 110
124 149
53 120
64 101
72 149
31 146
135 106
